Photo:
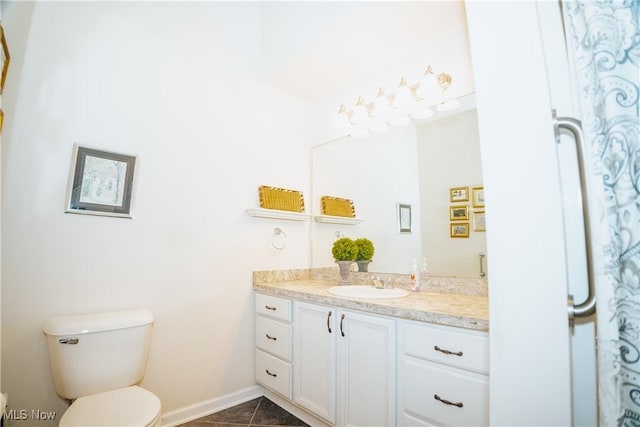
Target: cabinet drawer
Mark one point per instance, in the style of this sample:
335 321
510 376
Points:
428 388
273 373
462 349
407 420
278 308
273 337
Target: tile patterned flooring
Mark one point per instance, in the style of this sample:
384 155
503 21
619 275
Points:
256 412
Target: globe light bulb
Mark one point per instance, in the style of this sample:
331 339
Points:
404 100
360 115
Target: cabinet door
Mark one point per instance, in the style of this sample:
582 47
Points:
366 370
315 359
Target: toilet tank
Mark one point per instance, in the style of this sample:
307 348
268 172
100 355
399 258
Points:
94 353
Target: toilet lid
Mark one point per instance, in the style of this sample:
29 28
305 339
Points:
130 406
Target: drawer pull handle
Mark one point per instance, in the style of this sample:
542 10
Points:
270 308
269 337
328 319
441 350
341 320
446 402
270 374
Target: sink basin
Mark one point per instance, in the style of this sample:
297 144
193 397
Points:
367 291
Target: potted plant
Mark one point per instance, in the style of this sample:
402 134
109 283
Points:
365 253
344 252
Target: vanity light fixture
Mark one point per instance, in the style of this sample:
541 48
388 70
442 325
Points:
408 102
382 106
404 100
343 119
360 116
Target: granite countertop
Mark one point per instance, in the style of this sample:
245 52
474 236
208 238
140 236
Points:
464 311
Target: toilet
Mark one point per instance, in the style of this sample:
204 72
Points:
96 361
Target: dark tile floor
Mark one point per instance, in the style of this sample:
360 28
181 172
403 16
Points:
256 412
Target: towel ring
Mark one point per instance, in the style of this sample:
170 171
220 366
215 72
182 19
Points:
279 238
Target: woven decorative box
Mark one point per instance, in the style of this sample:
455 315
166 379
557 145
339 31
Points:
336 206
281 199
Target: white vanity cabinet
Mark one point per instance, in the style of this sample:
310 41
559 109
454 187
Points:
330 365
274 343
314 377
344 365
442 375
366 370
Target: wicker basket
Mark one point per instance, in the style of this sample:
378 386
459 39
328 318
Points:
281 199
336 206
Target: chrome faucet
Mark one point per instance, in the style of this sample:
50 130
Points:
378 283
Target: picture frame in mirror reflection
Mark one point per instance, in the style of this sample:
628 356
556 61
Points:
459 194
477 197
459 229
404 217
5 57
458 213
479 221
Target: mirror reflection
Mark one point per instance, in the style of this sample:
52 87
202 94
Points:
415 166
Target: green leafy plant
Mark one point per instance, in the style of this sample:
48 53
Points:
344 249
365 249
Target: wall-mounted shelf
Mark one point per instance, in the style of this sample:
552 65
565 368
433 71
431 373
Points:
278 214
330 219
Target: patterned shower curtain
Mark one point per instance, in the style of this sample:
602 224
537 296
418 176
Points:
606 38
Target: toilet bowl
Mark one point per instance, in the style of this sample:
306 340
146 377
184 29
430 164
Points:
129 406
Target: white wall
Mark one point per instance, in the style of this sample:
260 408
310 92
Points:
449 156
173 84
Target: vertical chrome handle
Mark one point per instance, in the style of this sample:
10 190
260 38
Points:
588 306
482 273
328 320
341 320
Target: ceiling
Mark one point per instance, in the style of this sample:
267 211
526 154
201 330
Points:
344 50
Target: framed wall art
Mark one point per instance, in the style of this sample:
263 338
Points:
100 183
458 213
459 194
477 197
404 218
459 229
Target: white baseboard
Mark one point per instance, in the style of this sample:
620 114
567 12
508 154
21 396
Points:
208 407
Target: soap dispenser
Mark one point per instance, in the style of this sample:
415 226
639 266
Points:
415 278
424 273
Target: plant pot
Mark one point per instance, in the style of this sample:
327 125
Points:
345 269
363 265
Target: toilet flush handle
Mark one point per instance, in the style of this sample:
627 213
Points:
68 340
